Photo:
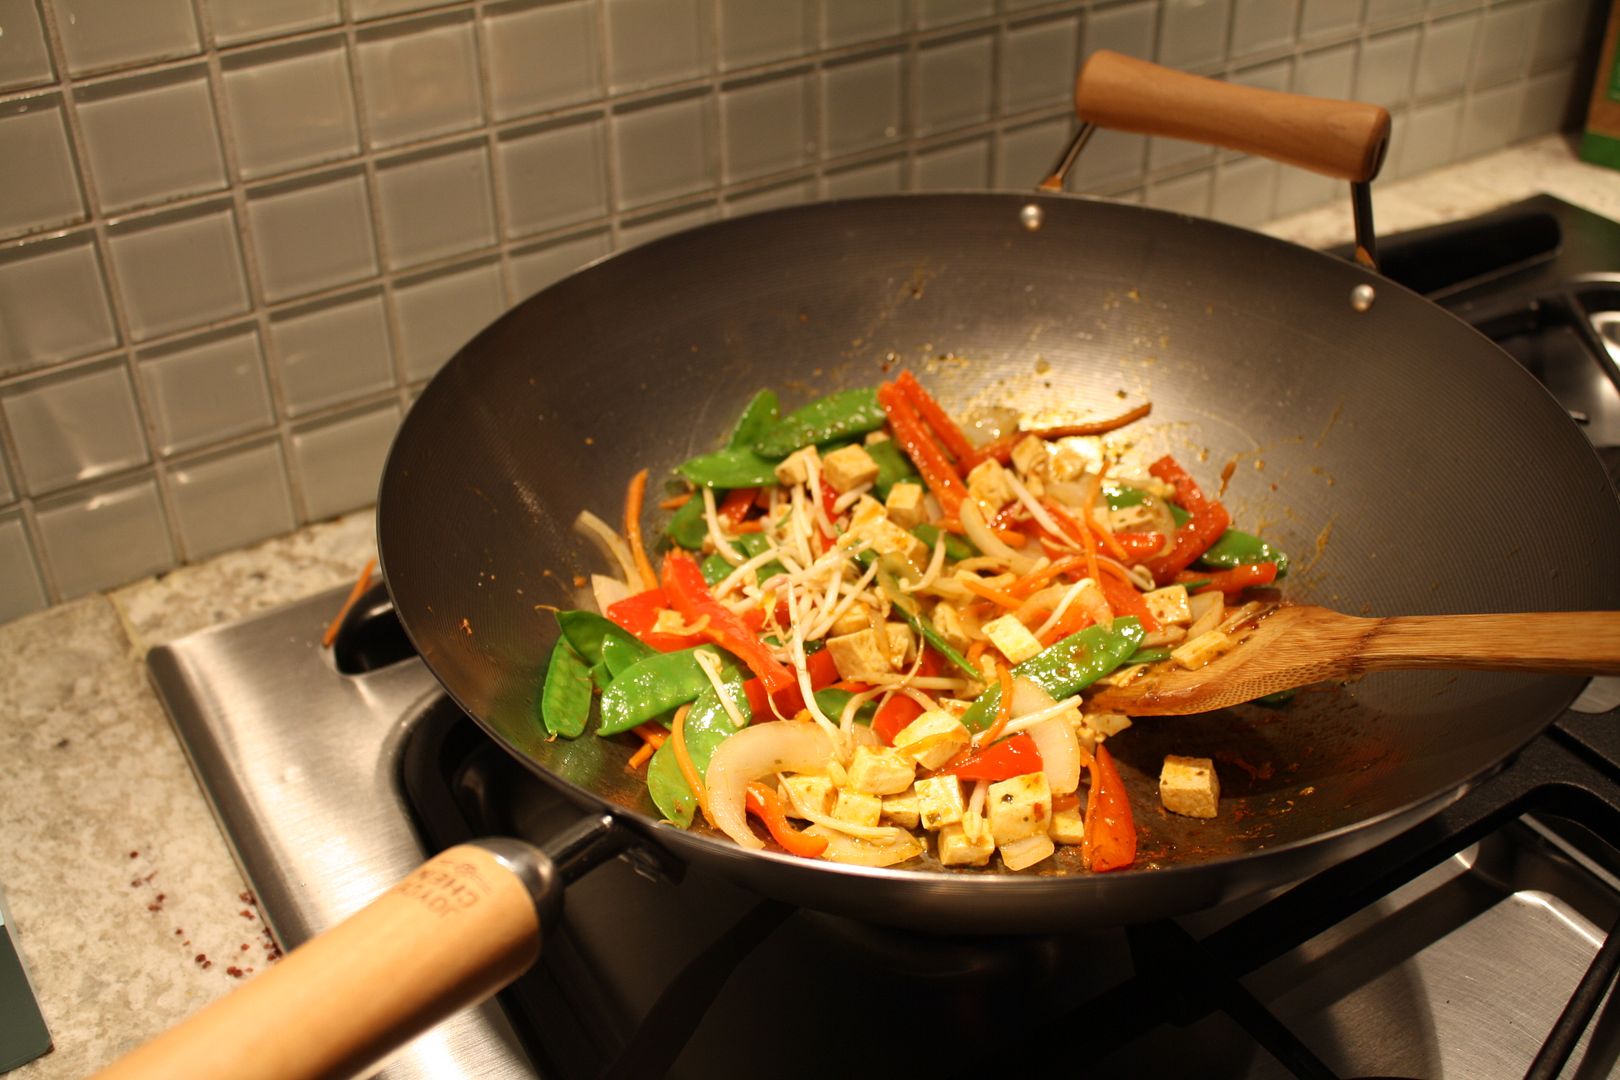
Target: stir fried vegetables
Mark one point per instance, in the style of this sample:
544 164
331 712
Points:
874 637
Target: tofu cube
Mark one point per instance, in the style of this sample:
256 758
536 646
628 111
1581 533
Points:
1067 827
1200 650
902 809
856 808
848 467
1189 786
1012 638
1022 854
966 843
869 523
987 485
1029 455
880 770
905 505
948 620
1103 724
795 468
932 739
900 644
856 617
1169 605
1066 463
1019 807
859 653
815 792
939 802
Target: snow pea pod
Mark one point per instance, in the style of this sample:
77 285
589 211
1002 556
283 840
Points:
893 467
565 698
1146 656
686 527
831 702
758 417
706 726
654 686
589 633
715 569
737 467
1119 496
1067 667
956 547
903 602
836 416
1237 548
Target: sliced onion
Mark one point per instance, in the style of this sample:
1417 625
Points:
611 543
755 752
607 591
1054 737
858 852
988 542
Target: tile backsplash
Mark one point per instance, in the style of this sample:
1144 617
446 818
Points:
236 236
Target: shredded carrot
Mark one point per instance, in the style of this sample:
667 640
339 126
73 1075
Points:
354 598
1094 427
991 593
1115 548
1081 533
1036 579
944 428
1003 705
651 733
976 650
640 757
689 773
632 529
1116 570
675 502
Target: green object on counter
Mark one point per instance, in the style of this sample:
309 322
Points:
836 416
23 1034
706 726
1067 667
1237 548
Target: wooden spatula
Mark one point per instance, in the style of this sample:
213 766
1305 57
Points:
1296 646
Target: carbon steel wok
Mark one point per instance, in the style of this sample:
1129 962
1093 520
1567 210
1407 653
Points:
1408 465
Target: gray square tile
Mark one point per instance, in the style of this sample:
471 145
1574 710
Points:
105 537
1560 32
540 56
339 462
74 426
102 34
1503 51
1326 73
759 31
1262 25
958 167
774 197
1038 63
1176 155
22 590
290 106
235 21
38 176
1392 12
1192 34
665 150
846 22
53 302
1319 18
1110 159
151 138
376 9
1431 137
441 313
1244 190
768 125
535 268
312 233
647 229
436 204
179 268
331 352
25 58
1444 56
8 493
229 500
1546 103
553 175
1183 195
1278 75
932 13
206 389
1397 147
954 85
1384 76
1299 190
872 178
654 42
1490 119
1129 28
419 78
863 102
1028 153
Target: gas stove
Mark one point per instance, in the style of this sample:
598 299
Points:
1472 945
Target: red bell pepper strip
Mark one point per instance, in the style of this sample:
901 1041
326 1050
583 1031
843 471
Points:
1139 545
1209 520
1013 756
766 805
1073 620
639 613
1238 578
1110 840
788 701
901 709
689 593
1127 601
956 443
937 471
736 504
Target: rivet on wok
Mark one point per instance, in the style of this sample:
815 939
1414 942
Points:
1362 297
1031 215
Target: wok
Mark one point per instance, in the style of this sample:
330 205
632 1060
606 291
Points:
1410 466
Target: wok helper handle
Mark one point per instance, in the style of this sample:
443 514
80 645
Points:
1562 642
460 927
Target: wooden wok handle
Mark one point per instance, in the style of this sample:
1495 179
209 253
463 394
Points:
1566 642
1343 139
460 927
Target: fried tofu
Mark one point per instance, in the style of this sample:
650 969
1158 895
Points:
848 467
939 802
905 505
1018 807
933 738
966 842
880 771
1022 854
1012 638
1189 786
859 653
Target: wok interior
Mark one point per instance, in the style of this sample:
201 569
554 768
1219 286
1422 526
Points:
1406 464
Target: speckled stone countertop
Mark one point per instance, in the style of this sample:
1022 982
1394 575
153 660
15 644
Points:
129 909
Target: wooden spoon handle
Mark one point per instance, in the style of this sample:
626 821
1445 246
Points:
1564 642
1343 139
460 927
